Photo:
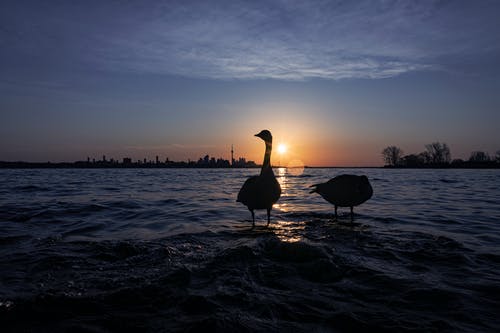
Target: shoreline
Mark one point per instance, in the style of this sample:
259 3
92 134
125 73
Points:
191 165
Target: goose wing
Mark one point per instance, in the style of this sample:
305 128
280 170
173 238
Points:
259 192
248 190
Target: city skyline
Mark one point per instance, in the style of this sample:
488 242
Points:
95 158
334 81
435 155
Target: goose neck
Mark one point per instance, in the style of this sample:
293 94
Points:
267 156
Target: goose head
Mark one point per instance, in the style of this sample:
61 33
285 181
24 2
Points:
265 135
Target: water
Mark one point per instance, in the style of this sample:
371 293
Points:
171 250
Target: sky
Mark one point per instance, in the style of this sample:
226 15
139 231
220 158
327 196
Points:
336 81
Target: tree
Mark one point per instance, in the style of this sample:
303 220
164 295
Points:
413 161
392 155
425 157
439 153
479 156
457 162
497 156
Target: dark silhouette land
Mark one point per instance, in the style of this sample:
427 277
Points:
205 162
438 155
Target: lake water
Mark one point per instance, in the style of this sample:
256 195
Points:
102 250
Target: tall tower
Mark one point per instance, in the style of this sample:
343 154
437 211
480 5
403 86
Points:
232 155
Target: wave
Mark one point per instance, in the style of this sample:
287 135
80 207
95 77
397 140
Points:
212 279
448 181
31 188
421 255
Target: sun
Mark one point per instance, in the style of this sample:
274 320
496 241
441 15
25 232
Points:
282 148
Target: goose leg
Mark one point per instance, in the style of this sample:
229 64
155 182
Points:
352 214
268 216
335 215
253 218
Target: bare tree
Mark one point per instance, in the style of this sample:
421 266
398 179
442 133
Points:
392 155
439 153
479 156
425 157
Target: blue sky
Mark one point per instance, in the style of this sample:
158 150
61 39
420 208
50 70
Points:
335 80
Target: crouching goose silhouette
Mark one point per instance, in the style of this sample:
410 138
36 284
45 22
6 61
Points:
262 191
345 191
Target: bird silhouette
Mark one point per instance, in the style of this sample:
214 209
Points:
262 191
345 191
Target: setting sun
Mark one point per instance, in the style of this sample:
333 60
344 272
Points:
282 148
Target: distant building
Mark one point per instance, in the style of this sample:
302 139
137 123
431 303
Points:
240 163
251 164
232 155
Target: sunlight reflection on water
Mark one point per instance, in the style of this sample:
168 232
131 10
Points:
282 179
288 231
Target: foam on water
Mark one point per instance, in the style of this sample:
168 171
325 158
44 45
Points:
171 250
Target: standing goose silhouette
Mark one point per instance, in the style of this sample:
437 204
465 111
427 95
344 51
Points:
262 191
345 191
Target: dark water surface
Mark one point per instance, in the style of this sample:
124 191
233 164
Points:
171 250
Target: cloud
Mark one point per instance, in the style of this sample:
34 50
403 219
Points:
286 40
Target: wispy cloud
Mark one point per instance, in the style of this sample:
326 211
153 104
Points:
288 40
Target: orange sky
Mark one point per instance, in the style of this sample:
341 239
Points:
312 153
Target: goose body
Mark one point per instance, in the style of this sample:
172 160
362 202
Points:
262 191
345 191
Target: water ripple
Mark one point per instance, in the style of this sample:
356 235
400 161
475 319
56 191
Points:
144 250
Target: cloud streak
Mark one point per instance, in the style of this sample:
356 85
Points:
286 40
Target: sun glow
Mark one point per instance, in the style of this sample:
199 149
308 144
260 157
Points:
282 148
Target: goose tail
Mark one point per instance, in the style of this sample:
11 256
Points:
315 189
